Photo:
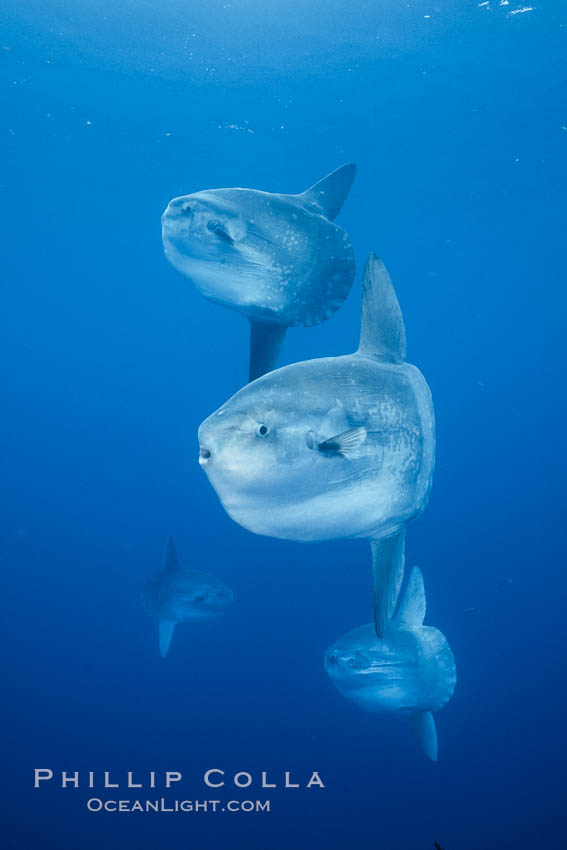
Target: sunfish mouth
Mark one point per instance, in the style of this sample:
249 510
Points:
205 456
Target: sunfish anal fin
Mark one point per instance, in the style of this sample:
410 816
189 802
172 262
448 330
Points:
171 559
329 194
423 726
411 613
382 332
266 340
388 559
166 628
342 445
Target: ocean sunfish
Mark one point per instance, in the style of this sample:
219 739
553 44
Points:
339 447
411 671
278 259
177 595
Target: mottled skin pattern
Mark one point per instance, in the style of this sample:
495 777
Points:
184 596
407 671
273 483
271 257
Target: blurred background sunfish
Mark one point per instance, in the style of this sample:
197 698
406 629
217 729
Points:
278 259
177 595
411 671
338 447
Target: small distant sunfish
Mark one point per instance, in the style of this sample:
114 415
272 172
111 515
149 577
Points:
341 447
504 582
278 259
410 672
177 595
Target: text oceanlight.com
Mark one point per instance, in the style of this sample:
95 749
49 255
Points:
95 804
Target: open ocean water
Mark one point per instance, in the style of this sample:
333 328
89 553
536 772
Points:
455 113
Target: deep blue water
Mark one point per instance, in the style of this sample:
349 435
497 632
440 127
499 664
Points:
457 119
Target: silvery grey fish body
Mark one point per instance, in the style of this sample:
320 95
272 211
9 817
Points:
278 259
177 595
410 671
341 447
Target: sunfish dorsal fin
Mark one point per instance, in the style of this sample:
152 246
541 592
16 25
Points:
266 340
382 332
423 726
166 628
411 612
329 194
388 559
171 559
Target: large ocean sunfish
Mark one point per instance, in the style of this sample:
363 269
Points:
177 595
410 672
278 259
339 447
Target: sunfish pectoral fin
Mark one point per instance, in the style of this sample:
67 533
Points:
388 559
171 558
266 340
166 628
425 731
329 194
343 444
382 332
411 613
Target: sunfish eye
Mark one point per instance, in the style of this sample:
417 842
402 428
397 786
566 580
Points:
262 430
187 210
332 658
